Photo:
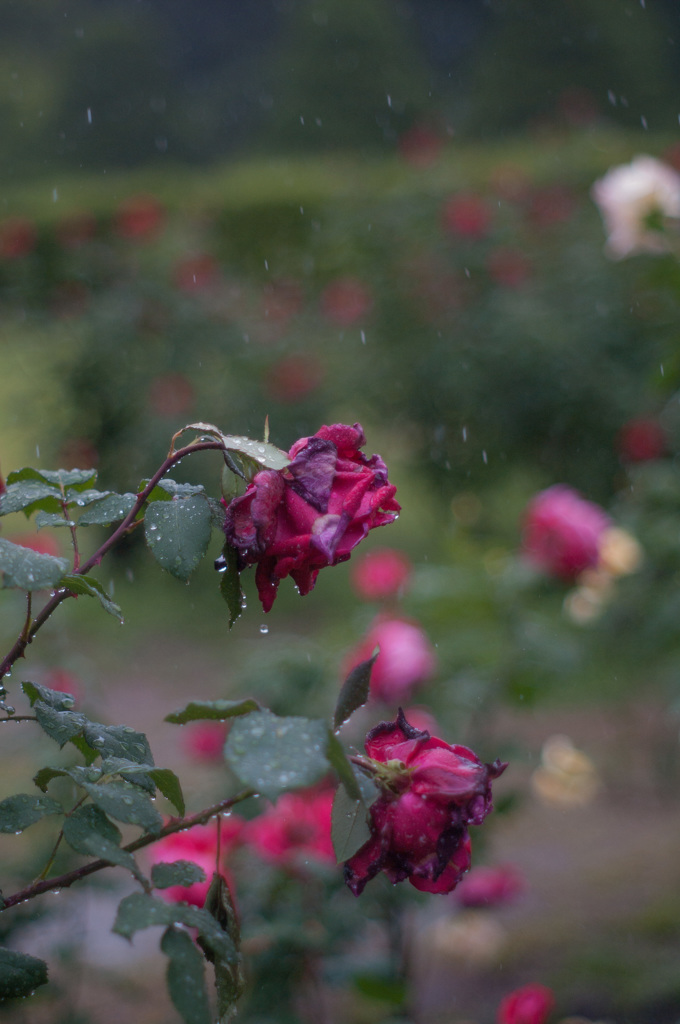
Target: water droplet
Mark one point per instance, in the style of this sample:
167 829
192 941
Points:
264 629
98 741
127 800
153 527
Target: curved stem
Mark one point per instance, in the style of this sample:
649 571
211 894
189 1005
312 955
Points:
174 825
28 632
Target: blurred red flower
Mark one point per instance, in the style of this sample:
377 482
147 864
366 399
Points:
43 543
198 845
420 146
346 300
171 394
204 741
562 531
531 1004
293 377
18 237
139 218
297 828
196 273
641 440
508 267
490 886
406 659
467 215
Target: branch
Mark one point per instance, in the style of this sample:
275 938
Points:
174 825
27 635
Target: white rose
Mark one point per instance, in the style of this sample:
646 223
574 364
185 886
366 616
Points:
634 200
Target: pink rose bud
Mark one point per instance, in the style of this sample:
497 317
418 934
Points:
406 659
296 829
297 520
562 532
198 845
430 793
531 1004
381 574
490 886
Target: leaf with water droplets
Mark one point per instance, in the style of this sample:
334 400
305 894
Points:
111 509
185 977
126 803
24 569
88 830
20 974
214 710
354 691
230 582
176 872
178 533
140 910
274 755
19 811
91 586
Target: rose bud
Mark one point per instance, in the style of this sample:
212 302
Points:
430 792
531 1004
406 659
562 532
296 520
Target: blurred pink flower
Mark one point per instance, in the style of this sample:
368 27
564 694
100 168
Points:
197 273
508 267
18 236
490 886
406 659
295 829
531 1004
635 200
43 543
562 531
64 682
139 218
171 394
198 845
346 300
381 574
467 215
204 741
293 377
641 440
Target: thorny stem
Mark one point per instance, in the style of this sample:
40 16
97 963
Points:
31 628
174 825
18 718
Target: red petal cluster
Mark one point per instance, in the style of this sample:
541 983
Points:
419 822
297 520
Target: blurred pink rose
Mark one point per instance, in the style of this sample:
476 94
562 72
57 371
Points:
64 682
198 845
467 215
197 273
635 200
490 886
381 574
295 829
562 531
346 300
293 377
43 543
204 741
18 236
531 1004
139 218
406 659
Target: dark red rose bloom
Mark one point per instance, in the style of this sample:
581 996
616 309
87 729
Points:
295 521
531 1004
430 793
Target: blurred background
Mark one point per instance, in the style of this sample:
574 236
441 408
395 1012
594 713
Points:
330 211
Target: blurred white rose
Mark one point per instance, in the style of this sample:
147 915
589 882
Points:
635 201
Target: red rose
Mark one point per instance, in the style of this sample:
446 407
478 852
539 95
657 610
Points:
562 531
531 1004
296 829
467 215
406 659
430 793
295 521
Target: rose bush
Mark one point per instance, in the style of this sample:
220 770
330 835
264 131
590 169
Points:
430 792
562 532
296 520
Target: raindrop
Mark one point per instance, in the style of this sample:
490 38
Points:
264 629
55 195
37 451
485 458
465 433
152 527
363 337
643 122
89 115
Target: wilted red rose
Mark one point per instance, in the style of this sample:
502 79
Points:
198 845
346 300
381 574
490 886
295 521
296 829
641 440
18 236
531 1004
139 218
406 658
562 531
467 215
429 793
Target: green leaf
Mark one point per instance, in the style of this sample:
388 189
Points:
354 692
169 786
52 519
179 872
54 698
263 454
87 830
229 979
28 496
175 489
25 569
19 811
78 479
185 977
20 974
140 910
387 989
60 725
149 777
178 533
214 710
125 802
90 586
119 741
349 825
230 582
111 509
80 775
342 767
274 754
